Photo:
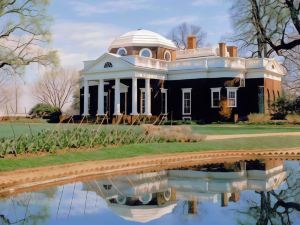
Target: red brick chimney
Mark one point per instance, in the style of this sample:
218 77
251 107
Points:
191 42
222 49
232 50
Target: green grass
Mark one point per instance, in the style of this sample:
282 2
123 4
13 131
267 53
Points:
215 129
9 129
17 129
150 149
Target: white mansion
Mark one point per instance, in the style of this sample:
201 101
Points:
144 73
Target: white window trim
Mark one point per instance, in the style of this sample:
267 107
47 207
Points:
118 52
234 89
163 90
186 90
218 90
168 52
145 49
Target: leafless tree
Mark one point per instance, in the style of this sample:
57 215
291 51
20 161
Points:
180 33
56 87
24 34
269 25
270 28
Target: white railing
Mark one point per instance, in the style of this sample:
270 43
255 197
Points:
147 62
197 52
216 62
255 63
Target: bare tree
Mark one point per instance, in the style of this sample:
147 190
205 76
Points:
24 34
180 33
56 87
270 25
270 28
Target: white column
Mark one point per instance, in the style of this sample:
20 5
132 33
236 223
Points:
134 96
117 97
101 98
147 97
86 98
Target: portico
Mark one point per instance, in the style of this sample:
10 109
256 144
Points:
139 98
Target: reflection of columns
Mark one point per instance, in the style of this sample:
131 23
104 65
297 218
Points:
224 199
101 98
134 96
147 97
117 97
86 97
193 206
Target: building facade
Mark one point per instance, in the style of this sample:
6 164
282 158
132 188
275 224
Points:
143 73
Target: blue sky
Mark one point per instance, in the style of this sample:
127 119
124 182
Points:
84 29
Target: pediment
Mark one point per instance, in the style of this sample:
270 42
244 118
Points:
275 67
105 63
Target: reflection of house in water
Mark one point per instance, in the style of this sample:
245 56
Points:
145 197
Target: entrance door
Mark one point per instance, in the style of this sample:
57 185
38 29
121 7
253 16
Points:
164 103
123 103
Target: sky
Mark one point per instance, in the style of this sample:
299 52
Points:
83 30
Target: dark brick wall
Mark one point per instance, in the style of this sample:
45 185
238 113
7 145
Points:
247 97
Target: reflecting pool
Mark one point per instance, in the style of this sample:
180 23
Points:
243 192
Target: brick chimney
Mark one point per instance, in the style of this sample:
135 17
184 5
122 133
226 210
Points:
222 49
232 50
191 42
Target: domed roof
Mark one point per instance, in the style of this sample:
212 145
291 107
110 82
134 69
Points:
142 38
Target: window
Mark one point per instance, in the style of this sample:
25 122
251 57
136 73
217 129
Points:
167 56
232 96
242 82
108 65
215 97
146 52
122 51
143 95
186 101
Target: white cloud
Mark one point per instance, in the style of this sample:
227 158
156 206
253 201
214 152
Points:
87 9
79 41
174 20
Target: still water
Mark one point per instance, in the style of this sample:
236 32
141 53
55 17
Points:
245 192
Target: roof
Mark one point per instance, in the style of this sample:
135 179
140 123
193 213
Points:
142 38
144 213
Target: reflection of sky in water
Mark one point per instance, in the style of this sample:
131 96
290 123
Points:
86 207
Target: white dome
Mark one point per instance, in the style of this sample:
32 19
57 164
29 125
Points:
142 38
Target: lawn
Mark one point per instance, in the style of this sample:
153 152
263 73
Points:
11 129
214 129
150 149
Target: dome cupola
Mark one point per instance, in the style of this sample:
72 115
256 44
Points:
142 38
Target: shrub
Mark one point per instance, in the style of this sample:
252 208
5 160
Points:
293 118
258 118
172 134
225 111
46 111
43 110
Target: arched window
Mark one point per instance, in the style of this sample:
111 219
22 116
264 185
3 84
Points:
274 96
108 65
146 52
167 56
122 51
278 93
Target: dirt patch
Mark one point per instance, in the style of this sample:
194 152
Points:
24 180
230 136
